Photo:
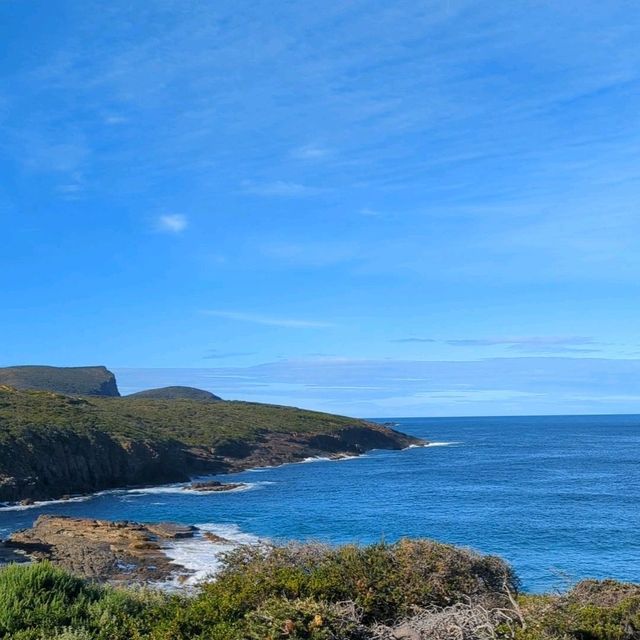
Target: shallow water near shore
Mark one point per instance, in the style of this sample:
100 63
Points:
559 497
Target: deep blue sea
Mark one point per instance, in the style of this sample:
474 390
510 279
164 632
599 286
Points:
559 497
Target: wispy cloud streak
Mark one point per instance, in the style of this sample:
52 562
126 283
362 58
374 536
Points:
254 318
541 344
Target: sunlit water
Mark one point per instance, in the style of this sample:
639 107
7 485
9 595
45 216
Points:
557 497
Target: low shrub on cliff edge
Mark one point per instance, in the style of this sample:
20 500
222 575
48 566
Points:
41 601
592 610
384 580
412 589
315 591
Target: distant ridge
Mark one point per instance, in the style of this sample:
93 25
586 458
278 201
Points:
176 393
81 381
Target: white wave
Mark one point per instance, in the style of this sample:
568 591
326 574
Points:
336 458
315 459
439 444
201 556
42 503
183 489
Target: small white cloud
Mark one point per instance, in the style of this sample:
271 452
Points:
114 119
310 152
173 223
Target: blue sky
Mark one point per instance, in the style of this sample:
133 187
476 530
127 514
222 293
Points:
376 208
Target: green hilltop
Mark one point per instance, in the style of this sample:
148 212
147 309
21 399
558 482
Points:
84 381
176 393
53 445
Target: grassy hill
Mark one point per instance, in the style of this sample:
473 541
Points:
86 381
52 444
176 393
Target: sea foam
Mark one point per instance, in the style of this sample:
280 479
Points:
201 556
42 503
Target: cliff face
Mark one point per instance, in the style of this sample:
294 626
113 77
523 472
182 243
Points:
51 466
44 467
82 381
53 445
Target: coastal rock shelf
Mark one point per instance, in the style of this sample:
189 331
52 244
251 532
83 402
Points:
116 552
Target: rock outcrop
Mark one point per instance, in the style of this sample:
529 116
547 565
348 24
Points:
213 486
117 552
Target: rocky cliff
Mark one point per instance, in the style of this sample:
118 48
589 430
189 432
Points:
82 381
53 445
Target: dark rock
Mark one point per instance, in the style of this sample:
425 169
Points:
214 486
214 538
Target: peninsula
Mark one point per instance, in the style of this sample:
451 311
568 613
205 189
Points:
54 444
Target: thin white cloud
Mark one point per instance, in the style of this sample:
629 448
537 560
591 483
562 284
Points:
269 321
281 188
216 354
114 119
541 344
495 386
173 223
370 213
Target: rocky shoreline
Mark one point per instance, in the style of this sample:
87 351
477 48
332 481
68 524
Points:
115 552
272 452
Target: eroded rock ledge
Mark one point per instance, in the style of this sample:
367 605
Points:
115 552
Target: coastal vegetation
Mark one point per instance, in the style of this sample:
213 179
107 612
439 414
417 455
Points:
176 393
410 590
53 445
86 381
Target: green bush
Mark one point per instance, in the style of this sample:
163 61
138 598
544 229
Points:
316 592
592 610
384 581
41 601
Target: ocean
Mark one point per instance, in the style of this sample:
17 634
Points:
558 497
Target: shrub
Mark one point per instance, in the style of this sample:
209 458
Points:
592 610
411 589
385 581
42 601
